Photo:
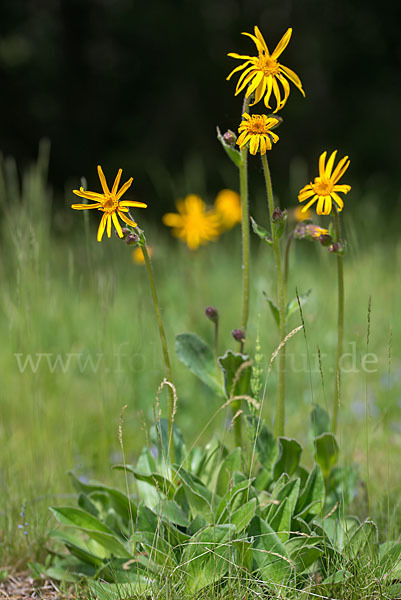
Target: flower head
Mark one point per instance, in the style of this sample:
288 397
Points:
256 130
228 207
263 73
193 223
110 204
324 188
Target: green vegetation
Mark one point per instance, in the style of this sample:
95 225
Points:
82 312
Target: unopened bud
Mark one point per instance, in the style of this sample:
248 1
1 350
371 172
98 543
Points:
212 313
325 239
337 248
132 239
277 215
229 138
238 335
125 232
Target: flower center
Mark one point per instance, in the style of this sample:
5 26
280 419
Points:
257 126
268 65
110 204
322 187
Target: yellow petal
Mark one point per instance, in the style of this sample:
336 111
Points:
283 43
108 225
124 188
292 76
126 219
268 91
103 181
89 195
261 39
116 182
117 225
172 220
133 203
337 200
344 189
309 204
85 206
322 161
256 80
330 163
237 69
102 225
276 91
340 169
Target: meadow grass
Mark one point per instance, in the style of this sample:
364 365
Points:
64 294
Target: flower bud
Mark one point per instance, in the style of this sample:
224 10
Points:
238 335
230 138
337 248
132 239
277 215
125 232
325 239
212 313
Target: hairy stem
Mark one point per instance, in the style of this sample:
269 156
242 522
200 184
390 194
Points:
281 292
340 326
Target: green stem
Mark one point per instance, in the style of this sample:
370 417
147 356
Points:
340 325
166 356
287 261
280 408
243 183
246 253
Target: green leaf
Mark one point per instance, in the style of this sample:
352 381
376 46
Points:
231 152
326 452
172 512
342 484
339 531
79 548
269 553
162 484
274 309
337 577
363 541
304 557
390 559
237 379
261 232
199 497
244 556
230 464
160 551
289 456
159 436
243 515
195 354
119 501
311 499
280 516
207 556
320 421
293 305
234 498
117 591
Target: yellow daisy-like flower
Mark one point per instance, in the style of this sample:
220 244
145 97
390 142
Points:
193 223
110 204
256 130
138 257
324 189
228 208
299 215
262 74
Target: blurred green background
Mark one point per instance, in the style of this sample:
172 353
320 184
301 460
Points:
143 85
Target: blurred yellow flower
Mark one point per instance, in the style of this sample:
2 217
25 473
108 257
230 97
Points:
256 130
299 215
138 257
193 223
262 74
324 188
109 203
228 208
317 231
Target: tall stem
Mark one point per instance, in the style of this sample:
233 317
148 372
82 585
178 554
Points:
166 356
281 292
340 325
243 183
246 253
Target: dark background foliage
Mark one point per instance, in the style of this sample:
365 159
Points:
142 85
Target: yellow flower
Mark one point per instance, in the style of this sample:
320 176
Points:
193 223
138 257
263 73
317 231
228 208
109 203
256 130
300 215
324 189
